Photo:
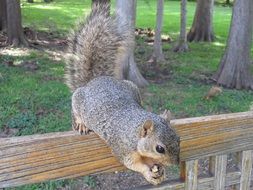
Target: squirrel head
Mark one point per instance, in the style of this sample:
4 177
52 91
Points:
158 141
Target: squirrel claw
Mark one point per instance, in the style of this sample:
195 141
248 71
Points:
86 130
82 129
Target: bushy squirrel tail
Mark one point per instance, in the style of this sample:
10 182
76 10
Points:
97 47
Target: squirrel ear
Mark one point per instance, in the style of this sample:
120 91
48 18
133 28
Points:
166 115
147 128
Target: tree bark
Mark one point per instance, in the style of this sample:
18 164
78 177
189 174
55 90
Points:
202 27
158 51
127 10
182 45
100 1
3 16
96 2
234 69
14 28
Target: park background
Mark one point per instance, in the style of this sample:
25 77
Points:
34 98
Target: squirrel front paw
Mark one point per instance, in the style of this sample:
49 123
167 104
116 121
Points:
81 128
155 175
78 125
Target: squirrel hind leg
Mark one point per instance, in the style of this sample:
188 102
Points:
78 125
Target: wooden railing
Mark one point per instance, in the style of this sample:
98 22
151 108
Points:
37 158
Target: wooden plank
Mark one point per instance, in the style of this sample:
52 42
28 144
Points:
37 158
246 170
183 170
220 172
191 175
212 165
25 160
220 134
238 162
203 183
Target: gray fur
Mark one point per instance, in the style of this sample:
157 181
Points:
112 109
97 48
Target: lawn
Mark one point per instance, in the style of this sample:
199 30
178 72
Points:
37 100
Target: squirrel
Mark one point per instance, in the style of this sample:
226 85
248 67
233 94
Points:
111 107
213 91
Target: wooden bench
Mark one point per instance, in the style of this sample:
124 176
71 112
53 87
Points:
37 158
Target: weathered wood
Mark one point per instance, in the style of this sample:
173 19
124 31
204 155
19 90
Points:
238 162
183 170
191 180
246 170
214 135
203 183
220 172
37 158
212 165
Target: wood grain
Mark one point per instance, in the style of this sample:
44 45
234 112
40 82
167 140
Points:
246 170
191 175
203 183
220 172
31 159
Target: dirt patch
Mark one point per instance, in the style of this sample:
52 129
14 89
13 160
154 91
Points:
154 72
47 40
8 132
39 40
148 34
124 180
157 73
9 64
29 65
52 78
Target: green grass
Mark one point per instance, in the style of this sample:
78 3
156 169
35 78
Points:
31 101
39 101
61 15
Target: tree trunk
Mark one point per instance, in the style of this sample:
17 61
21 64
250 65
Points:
96 2
127 10
202 27
158 51
3 16
182 45
234 69
100 1
14 28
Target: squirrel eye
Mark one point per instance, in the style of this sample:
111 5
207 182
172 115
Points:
160 149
